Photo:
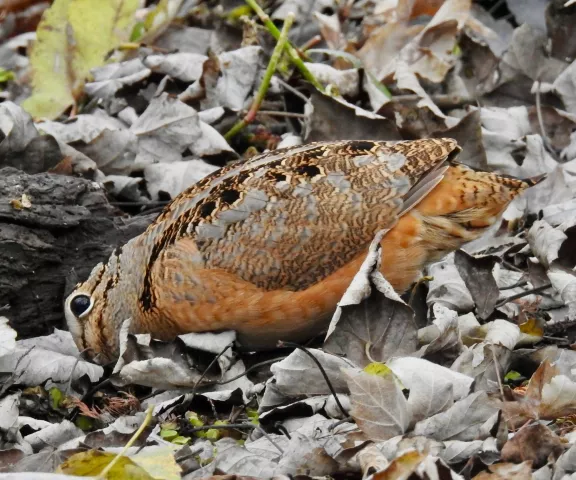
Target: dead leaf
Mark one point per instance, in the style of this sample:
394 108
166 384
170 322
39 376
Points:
468 419
166 181
507 471
532 443
433 388
371 323
332 118
297 374
378 404
484 362
443 335
165 129
238 72
477 275
468 133
447 287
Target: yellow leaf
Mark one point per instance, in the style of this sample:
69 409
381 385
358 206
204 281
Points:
98 28
377 368
73 37
49 59
532 327
159 462
92 462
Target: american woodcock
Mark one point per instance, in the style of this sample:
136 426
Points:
267 247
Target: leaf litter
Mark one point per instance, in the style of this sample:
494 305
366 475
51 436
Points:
469 375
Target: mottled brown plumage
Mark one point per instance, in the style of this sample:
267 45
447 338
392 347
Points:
268 247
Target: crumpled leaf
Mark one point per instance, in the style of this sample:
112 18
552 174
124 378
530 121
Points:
416 465
507 471
447 287
183 66
333 118
9 428
305 454
566 464
433 388
7 337
371 323
483 362
110 78
73 37
534 443
565 85
526 55
180 363
165 129
549 395
49 358
468 133
564 282
235 459
297 374
237 74
443 335
378 404
468 419
54 435
431 53
477 275
171 179
17 128
546 241
502 132
346 82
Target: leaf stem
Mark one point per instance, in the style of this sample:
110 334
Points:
292 52
270 69
138 432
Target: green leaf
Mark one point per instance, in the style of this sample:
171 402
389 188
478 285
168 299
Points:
56 397
73 37
84 423
253 416
181 440
512 375
6 75
137 32
168 435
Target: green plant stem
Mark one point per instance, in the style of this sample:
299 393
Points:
292 52
138 432
270 69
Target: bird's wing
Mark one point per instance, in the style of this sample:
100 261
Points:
289 218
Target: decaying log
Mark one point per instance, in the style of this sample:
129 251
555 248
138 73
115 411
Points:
67 226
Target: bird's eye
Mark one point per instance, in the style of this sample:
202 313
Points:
80 305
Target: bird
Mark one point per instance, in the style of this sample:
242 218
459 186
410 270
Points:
267 246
